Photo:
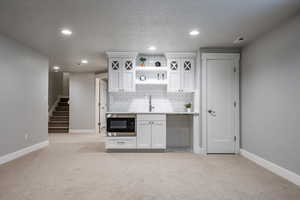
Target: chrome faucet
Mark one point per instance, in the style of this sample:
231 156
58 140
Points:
151 107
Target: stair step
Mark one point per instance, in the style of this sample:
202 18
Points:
60 113
58 124
64 99
59 118
58 121
58 130
63 104
62 108
58 127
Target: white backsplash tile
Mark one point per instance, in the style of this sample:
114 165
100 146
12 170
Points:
139 101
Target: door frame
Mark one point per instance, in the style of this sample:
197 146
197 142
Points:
98 77
214 56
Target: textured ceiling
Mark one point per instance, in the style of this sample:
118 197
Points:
133 25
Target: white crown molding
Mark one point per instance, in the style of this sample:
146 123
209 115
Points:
276 169
180 54
82 131
12 156
102 75
220 56
121 54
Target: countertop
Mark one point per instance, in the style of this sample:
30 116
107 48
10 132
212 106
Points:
167 113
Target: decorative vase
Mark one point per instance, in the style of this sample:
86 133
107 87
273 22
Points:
142 65
188 110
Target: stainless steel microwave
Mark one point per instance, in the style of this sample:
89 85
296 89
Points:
120 124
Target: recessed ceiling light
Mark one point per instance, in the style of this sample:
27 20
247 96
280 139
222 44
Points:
66 32
56 68
194 32
152 48
84 61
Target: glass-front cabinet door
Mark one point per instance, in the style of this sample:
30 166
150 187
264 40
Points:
174 79
114 74
128 75
188 74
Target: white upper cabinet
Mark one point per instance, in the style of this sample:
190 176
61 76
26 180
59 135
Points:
128 75
187 74
181 72
114 71
174 84
121 71
178 75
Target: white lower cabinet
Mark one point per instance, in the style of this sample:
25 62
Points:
151 131
158 139
120 143
143 134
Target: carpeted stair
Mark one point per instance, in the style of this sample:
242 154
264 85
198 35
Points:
59 121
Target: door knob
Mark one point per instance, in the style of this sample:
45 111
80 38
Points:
213 113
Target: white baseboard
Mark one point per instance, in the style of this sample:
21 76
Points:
198 151
12 156
82 131
276 169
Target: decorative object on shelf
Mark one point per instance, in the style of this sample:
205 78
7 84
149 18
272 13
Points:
128 65
173 65
143 60
143 78
157 64
188 107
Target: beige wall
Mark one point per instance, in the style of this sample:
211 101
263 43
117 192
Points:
23 96
82 101
270 96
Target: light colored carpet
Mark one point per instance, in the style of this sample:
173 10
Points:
75 167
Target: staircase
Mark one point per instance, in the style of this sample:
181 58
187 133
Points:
59 121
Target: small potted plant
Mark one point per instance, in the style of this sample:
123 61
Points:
142 59
188 107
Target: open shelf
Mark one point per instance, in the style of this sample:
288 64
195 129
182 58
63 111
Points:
157 69
151 82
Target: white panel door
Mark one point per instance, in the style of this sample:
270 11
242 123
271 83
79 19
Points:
220 106
188 74
128 75
114 74
143 134
158 135
174 77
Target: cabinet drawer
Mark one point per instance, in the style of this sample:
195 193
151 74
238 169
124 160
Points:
151 117
120 143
